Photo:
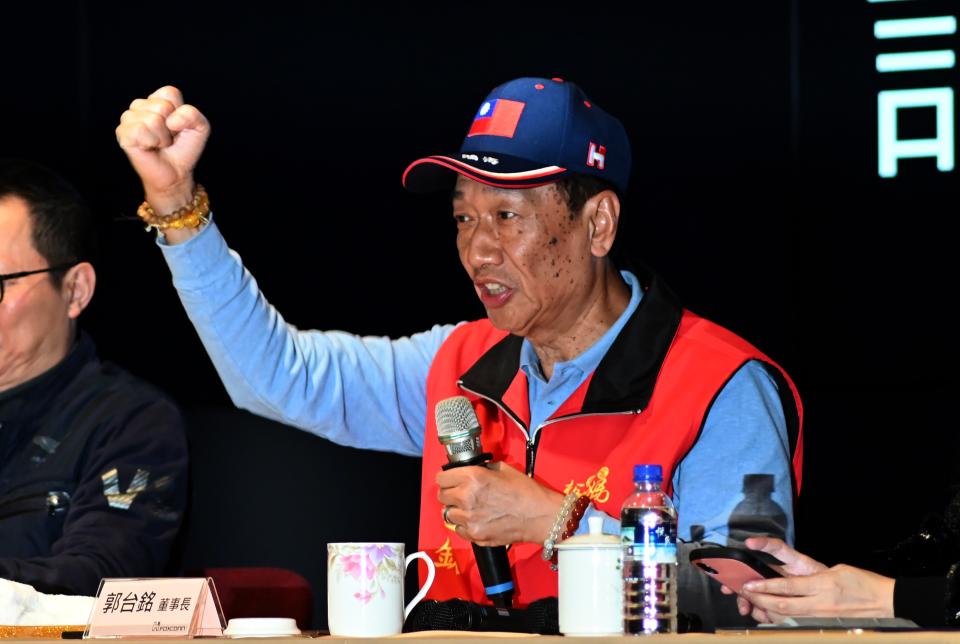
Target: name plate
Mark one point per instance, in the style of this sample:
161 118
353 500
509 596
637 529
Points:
169 607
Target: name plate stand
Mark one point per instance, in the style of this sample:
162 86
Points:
169 607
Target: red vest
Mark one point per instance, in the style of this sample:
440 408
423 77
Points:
646 402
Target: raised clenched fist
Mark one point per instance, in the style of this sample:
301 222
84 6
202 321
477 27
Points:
164 138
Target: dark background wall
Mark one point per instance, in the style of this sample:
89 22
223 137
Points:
754 194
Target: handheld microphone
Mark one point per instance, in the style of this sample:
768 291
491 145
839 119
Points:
459 432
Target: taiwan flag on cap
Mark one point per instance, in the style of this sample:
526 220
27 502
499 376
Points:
497 117
530 132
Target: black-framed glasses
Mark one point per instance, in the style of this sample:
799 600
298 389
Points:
49 269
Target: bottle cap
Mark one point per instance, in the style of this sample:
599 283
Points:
647 472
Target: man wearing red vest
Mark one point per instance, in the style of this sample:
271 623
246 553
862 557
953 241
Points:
578 372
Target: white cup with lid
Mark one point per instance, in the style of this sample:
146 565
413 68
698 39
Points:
591 583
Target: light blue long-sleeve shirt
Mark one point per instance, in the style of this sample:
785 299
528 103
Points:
370 392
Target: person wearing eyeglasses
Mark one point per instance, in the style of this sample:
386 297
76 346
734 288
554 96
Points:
93 461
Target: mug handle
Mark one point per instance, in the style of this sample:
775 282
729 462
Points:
431 573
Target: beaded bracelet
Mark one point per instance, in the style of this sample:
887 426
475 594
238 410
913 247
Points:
193 215
568 518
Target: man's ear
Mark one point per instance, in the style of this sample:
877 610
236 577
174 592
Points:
78 286
602 211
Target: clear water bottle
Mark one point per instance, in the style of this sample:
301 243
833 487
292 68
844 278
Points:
648 529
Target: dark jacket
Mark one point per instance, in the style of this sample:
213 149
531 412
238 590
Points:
926 566
93 468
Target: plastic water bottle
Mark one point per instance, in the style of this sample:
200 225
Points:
648 529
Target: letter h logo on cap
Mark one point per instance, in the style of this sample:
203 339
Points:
596 156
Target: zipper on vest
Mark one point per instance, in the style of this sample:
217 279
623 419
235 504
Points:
502 408
534 441
551 421
532 453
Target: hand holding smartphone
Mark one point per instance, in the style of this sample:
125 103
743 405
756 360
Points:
733 567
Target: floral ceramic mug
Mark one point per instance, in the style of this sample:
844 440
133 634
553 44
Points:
365 588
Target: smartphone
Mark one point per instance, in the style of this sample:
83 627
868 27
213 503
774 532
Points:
734 567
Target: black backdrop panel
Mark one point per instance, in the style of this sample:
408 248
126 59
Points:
755 191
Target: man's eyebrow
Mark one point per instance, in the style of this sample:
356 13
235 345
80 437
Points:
456 194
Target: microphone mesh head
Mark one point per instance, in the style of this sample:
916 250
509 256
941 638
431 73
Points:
458 428
543 616
456 418
433 615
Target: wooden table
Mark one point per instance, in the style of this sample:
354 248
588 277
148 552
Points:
723 637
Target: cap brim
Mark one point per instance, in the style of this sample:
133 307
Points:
434 173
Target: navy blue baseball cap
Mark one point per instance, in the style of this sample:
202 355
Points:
530 132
